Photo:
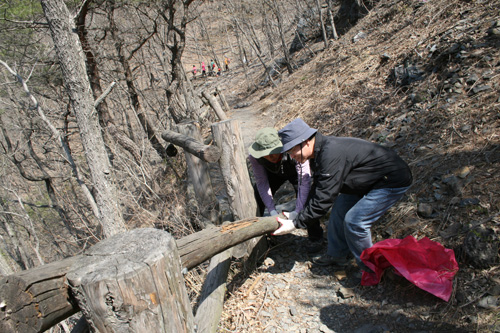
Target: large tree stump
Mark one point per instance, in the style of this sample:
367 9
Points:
132 282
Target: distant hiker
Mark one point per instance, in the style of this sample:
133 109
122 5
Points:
271 169
219 71
360 179
203 69
194 70
226 63
212 67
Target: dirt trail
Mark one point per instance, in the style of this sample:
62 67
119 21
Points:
287 293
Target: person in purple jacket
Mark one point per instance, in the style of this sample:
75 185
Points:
271 169
360 179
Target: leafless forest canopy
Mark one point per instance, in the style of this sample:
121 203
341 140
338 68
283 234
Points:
137 56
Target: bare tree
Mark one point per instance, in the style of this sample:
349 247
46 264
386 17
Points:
322 23
330 17
72 62
273 4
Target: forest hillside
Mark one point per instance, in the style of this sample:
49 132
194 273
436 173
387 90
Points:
89 87
421 77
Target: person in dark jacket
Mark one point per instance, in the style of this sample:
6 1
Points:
271 169
361 179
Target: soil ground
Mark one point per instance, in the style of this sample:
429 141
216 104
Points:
446 125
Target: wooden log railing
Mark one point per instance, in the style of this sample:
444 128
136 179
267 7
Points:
207 153
215 105
37 299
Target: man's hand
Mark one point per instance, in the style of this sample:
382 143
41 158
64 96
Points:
290 215
286 227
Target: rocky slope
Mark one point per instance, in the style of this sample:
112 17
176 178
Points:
422 77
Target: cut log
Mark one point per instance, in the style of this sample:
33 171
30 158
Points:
200 246
208 153
211 300
215 105
37 299
132 282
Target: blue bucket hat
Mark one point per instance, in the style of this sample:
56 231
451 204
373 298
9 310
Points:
296 132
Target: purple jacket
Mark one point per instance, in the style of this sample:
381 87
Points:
304 180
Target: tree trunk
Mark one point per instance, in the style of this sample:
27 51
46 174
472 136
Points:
279 20
72 62
322 22
241 53
332 22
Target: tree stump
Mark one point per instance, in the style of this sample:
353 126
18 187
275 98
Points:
132 282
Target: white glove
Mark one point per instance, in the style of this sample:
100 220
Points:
273 213
286 227
290 215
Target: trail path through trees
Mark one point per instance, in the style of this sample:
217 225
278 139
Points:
288 293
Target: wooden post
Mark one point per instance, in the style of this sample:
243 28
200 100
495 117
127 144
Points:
207 153
219 93
215 105
132 282
199 176
37 299
212 296
227 136
237 180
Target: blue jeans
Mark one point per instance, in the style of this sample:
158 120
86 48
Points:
351 219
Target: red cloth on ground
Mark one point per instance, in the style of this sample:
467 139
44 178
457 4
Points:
425 263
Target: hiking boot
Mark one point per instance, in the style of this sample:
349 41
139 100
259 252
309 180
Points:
314 246
327 260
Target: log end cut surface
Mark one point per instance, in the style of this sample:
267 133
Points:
132 282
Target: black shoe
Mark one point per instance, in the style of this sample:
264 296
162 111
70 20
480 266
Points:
327 260
314 246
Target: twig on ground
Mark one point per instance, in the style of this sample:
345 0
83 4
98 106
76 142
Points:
263 302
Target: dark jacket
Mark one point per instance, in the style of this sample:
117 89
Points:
351 166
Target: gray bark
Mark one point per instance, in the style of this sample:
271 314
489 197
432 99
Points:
38 298
72 62
132 282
